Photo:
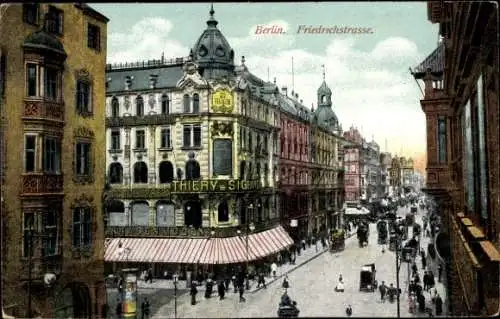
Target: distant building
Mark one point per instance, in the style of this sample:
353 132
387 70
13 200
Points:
352 165
385 187
52 102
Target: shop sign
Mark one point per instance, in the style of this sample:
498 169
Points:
214 185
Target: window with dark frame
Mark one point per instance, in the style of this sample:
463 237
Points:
29 153
30 13
191 135
28 228
93 37
83 97
115 173
442 141
50 83
31 79
83 153
196 103
140 173
115 107
165 138
165 104
82 227
186 101
139 106
51 155
50 229
140 139
56 18
115 140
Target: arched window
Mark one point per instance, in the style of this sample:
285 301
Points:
283 174
140 172
139 106
165 213
116 213
186 103
115 173
196 103
290 176
166 172
140 214
257 168
192 169
223 212
193 214
165 104
115 107
242 170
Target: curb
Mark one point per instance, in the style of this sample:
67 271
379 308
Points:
297 266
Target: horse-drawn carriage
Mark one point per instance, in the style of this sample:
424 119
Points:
287 307
338 240
362 233
367 281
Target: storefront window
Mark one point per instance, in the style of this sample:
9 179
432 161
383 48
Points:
468 158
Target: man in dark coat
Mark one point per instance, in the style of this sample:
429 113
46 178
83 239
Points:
424 262
348 311
242 291
421 302
221 289
414 269
261 281
426 281
193 293
145 308
383 290
439 305
119 309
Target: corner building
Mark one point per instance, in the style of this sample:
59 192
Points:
52 70
192 162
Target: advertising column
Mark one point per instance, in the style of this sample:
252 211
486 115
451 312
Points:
130 293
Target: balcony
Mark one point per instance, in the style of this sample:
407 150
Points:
181 232
41 184
42 109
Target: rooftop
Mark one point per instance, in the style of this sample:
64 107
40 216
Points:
434 62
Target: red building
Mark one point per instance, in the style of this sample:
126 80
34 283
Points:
352 165
294 163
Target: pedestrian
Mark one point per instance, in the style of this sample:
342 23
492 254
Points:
303 244
421 303
414 269
383 289
119 309
221 289
285 284
262 281
439 305
426 281
424 261
274 269
440 272
391 292
193 293
242 291
145 308
348 311
150 275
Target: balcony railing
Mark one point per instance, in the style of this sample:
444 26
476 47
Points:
38 184
37 109
181 232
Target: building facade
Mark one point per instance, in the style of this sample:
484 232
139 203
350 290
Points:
385 188
52 251
192 153
372 171
461 107
352 165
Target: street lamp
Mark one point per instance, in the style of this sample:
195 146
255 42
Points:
176 279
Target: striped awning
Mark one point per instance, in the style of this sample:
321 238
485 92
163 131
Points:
227 250
270 241
155 250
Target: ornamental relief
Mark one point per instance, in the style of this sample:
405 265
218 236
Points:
83 74
222 129
84 132
83 200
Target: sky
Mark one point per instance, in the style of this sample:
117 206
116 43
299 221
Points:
367 73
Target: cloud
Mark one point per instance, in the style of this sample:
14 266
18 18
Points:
371 89
147 39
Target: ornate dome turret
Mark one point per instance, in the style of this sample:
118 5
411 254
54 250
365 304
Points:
212 52
326 116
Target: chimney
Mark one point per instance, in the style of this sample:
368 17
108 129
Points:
284 90
153 78
128 82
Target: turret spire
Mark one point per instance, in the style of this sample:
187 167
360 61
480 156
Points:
323 66
211 21
212 10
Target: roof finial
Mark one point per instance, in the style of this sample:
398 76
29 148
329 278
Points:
323 66
212 10
243 60
211 21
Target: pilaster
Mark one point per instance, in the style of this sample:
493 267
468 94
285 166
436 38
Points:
126 158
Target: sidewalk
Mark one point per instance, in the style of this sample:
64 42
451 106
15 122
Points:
305 256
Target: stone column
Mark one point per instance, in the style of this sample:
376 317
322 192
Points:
128 214
152 213
126 158
151 145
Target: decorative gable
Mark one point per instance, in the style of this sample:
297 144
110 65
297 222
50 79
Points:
191 76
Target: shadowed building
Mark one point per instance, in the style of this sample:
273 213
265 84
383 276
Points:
462 113
52 107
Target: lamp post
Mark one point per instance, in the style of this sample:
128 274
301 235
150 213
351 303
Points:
176 279
398 266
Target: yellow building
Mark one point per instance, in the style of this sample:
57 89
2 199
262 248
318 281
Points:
52 106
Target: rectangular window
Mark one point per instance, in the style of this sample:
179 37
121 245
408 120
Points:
191 135
115 140
50 230
165 138
83 158
55 20
51 155
28 227
29 153
30 13
82 227
31 79
442 141
140 139
93 37
83 100
468 156
483 164
50 83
